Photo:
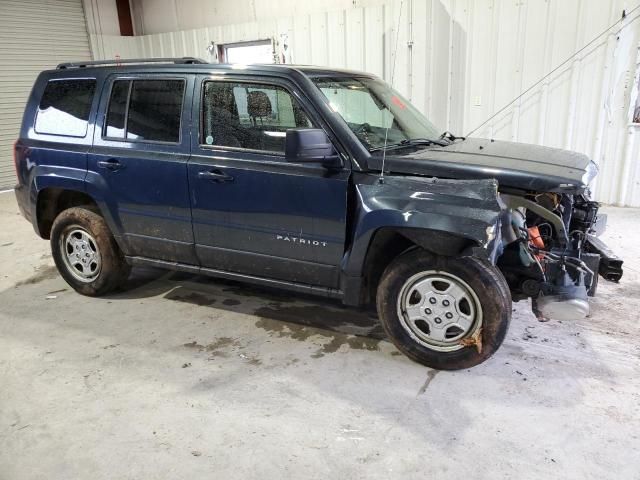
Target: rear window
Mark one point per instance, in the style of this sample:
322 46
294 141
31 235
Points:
65 107
147 110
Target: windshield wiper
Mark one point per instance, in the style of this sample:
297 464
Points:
450 136
409 142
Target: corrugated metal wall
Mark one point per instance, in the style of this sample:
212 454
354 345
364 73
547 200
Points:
34 36
461 60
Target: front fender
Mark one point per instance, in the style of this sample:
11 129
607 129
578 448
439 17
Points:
465 209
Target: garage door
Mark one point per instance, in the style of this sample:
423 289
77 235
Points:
34 35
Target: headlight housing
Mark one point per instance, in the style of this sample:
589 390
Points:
590 173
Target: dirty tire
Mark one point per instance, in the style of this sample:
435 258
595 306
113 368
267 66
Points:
484 279
113 271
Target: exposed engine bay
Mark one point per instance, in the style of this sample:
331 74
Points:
552 254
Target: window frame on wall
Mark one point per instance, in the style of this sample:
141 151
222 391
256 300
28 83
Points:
131 80
223 49
264 82
88 106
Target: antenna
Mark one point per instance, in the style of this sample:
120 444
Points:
393 72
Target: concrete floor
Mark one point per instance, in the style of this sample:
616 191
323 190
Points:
186 377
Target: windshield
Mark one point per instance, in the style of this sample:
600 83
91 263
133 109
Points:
370 106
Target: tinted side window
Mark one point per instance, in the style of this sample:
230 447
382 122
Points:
249 115
65 107
154 110
117 113
145 110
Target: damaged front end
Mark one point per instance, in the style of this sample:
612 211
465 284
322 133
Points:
552 253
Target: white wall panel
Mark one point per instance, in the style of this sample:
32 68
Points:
462 60
159 16
102 16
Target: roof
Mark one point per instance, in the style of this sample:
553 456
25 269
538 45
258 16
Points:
188 64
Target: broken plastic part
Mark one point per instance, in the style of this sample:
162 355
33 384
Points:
475 339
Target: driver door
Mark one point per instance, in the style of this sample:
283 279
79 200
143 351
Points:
253 212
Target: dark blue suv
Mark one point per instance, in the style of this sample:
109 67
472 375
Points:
310 179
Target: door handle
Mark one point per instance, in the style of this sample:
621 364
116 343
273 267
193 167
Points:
111 164
215 175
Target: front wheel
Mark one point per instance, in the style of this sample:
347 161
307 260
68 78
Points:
446 313
85 252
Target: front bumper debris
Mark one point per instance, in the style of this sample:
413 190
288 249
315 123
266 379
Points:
610 266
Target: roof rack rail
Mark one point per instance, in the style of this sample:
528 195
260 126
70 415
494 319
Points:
95 63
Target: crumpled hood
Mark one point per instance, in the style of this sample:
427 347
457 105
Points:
518 165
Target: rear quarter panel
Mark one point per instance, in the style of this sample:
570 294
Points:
46 160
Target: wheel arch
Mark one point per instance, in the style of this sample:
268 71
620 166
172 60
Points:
388 243
51 201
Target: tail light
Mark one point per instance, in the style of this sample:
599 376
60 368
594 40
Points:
15 159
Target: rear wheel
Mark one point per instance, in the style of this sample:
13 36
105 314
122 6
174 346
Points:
86 253
446 313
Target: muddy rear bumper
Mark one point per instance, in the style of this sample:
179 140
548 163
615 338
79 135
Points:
22 198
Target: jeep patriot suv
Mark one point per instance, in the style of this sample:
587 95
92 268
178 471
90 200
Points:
310 179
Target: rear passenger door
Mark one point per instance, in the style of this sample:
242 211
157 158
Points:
254 212
138 163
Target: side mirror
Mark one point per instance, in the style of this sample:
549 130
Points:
311 145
